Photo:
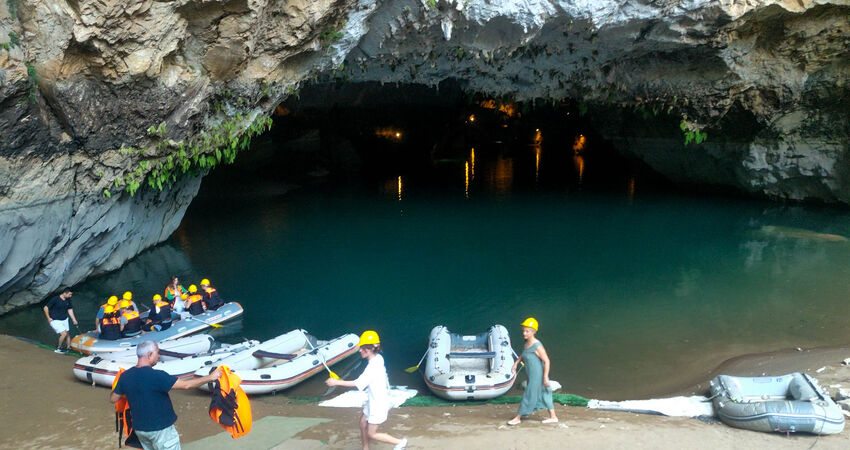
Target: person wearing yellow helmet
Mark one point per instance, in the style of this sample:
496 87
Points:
110 324
160 316
111 301
195 302
131 322
376 384
538 394
210 296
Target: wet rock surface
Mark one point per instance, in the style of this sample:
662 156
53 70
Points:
82 83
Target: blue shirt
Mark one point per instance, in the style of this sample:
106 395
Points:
147 389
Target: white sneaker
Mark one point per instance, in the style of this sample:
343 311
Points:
58 350
401 445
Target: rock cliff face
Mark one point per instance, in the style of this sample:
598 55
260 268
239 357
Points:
110 109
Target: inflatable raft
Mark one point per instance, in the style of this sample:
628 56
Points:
173 349
102 369
284 361
788 403
89 343
475 367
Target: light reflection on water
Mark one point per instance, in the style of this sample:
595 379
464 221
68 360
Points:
636 293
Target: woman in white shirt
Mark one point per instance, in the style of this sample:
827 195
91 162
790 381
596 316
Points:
377 386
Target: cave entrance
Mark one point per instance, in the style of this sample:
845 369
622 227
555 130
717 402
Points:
433 137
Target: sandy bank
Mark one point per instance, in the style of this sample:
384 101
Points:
46 407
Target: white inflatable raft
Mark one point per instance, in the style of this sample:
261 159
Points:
788 403
168 350
474 367
89 343
102 369
284 361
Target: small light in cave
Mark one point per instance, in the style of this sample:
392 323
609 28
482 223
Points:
578 144
472 118
538 136
399 188
388 133
631 190
536 163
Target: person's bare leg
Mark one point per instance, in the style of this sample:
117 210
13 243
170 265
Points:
62 337
364 432
381 437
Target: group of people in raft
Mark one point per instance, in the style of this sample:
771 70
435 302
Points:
537 396
120 319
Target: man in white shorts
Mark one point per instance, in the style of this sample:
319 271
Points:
57 311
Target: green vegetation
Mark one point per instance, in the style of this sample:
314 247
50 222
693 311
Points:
692 134
14 39
332 35
202 152
33 78
432 3
13 8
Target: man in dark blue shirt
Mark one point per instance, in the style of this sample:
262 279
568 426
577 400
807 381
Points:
57 311
147 390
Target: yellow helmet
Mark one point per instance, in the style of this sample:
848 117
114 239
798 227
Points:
124 304
531 322
112 301
184 296
369 337
157 297
127 295
193 288
205 282
108 310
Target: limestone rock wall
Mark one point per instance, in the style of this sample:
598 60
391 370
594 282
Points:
96 96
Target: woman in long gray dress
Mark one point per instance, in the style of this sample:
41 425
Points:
538 394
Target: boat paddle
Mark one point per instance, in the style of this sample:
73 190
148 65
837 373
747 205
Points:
416 367
321 356
357 364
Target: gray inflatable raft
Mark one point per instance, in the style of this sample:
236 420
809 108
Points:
788 403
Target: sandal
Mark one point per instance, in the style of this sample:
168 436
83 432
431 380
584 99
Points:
513 422
551 420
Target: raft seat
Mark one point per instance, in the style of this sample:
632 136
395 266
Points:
272 355
472 355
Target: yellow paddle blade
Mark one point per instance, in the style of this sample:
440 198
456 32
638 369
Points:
333 375
215 325
412 369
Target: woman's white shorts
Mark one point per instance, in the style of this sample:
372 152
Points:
376 417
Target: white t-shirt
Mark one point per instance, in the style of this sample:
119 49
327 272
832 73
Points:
376 384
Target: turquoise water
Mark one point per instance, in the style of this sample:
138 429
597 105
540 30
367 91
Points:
637 292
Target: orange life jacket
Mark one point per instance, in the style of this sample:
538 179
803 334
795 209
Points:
123 420
229 406
110 327
195 305
134 323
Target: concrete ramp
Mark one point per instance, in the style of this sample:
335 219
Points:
267 433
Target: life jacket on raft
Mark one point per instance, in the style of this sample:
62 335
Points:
211 299
196 304
133 325
124 418
163 312
229 406
110 327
